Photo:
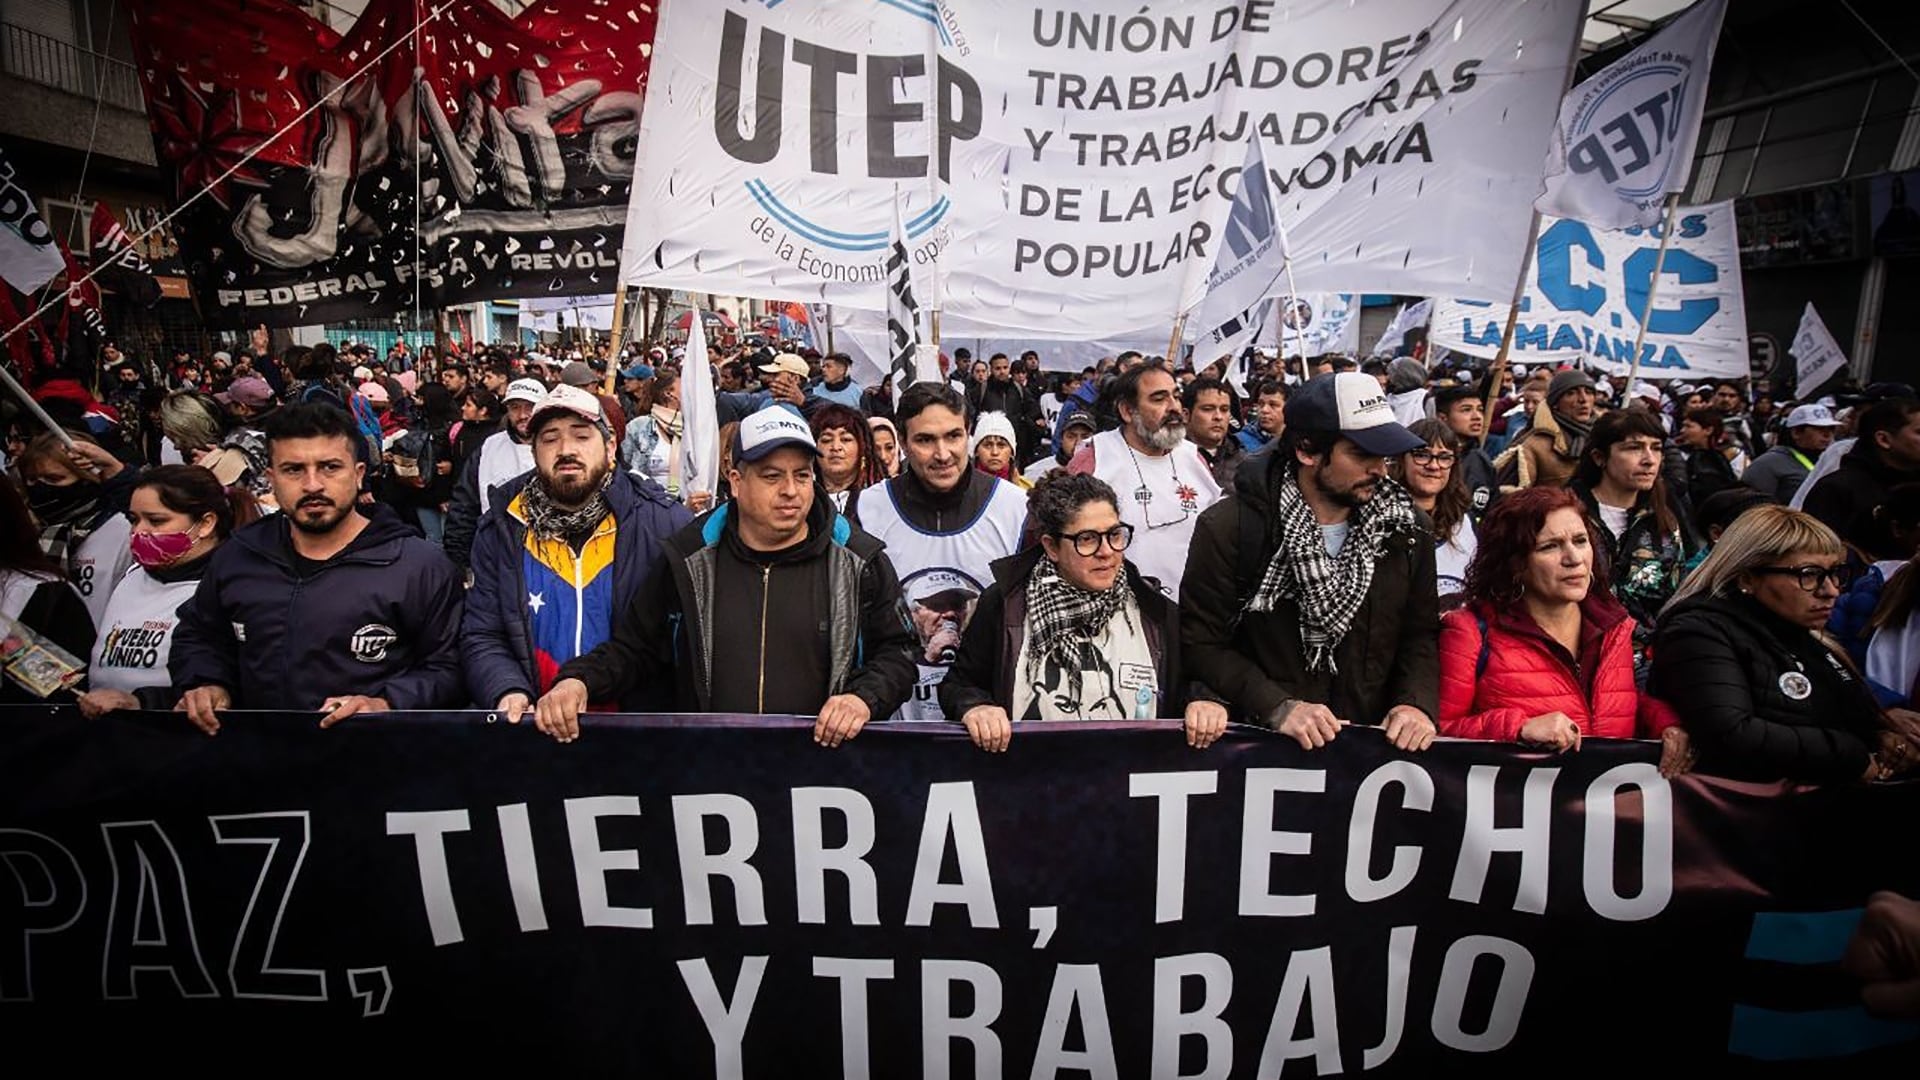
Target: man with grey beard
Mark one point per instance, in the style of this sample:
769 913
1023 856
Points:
1162 480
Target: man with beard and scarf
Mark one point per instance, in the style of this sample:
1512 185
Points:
79 496
328 606
772 603
1164 483
947 522
1310 597
569 547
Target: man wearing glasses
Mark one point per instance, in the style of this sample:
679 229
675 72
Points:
1162 480
1310 600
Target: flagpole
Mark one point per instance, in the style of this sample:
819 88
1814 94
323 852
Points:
1653 285
32 406
829 308
1173 345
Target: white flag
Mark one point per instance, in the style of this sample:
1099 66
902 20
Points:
1407 318
29 256
1817 357
1625 137
905 361
700 446
1318 323
1252 256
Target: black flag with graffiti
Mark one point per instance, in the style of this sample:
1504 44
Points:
903 313
347 174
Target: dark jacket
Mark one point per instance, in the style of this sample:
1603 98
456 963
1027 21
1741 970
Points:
1225 462
1708 473
672 626
381 618
1643 566
497 650
1255 659
988 663
463 514
55 612
1483 487
1846 497
1725 664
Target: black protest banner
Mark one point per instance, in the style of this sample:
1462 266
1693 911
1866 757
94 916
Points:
486 156
717 896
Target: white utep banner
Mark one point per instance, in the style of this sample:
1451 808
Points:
1625 137
700 416
1252 255
1817 357
29 256
1316 323
1588 287
1070 167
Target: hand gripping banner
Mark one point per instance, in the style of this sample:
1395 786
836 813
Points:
716 896
513 155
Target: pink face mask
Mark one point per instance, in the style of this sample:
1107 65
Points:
155 550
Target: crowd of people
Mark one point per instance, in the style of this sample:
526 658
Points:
1435 550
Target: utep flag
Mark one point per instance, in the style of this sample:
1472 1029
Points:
1625 137
1252 256
126 271
700 463
1316 323
1407 318
29 257
903 316
1817 357
517 170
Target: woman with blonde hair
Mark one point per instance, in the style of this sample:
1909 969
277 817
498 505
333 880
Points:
1740 656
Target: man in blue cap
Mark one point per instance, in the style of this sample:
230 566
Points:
1309 599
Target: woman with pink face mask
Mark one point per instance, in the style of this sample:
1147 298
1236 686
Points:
180 514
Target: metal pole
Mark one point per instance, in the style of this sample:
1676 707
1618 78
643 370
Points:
1653 286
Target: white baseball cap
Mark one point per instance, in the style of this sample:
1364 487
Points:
770 429
1811 416
570 399
532 391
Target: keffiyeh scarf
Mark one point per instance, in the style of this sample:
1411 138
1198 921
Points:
549 520
1329 589
1063 621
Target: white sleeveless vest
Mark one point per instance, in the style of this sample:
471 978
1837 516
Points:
942 576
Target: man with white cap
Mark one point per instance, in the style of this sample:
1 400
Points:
505 455
1310 598
1779 472
560 557
772 603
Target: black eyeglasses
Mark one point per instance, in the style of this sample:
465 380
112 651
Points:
1429 456
1087 544
1810 577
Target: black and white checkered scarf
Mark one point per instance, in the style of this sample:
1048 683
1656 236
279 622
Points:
549 520
1328 588
1064 620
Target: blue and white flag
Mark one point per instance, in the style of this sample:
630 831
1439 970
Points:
1246 271
1625 137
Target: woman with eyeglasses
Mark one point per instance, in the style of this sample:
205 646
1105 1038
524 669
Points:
1069 630
1760 691
1432 475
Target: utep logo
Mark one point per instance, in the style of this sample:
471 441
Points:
371 642
1806 1015
1632 140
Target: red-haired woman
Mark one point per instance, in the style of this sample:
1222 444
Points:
848 461
1540 653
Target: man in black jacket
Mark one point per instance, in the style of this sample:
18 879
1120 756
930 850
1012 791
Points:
1887 453
1309 598
324 605
999 393
770 604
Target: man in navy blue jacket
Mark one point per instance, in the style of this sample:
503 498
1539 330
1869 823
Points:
561 555
325 606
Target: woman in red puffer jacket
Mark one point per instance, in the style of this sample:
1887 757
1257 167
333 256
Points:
1539 654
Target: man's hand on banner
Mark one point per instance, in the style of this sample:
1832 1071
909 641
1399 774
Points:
1308 723
200 704
1206 721
1553 731
1409 728
340 707
989 727
558 711
1885 956
841 718
514 705
1676 752
97 703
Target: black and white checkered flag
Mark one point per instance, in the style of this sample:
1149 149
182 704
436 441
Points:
903 313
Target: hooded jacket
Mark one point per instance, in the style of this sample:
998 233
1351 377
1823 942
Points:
1845 499
672 626
1254 659
380 618
989 660
497 651
1761 698
1542 457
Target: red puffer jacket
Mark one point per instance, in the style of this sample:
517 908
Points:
1524 674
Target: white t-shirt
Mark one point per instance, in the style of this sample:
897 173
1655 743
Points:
501 459
1161 496
1451 557
100 564
1116 670
1614 518
135 635
1050 410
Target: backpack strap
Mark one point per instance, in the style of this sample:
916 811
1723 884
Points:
1486 647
